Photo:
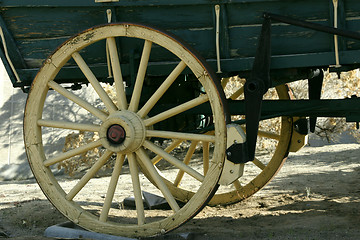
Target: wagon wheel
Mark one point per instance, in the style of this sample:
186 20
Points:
122 128
273 143
257 173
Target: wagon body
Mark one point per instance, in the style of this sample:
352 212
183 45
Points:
34 29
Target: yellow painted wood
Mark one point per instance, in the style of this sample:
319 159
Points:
237 93
176 110
259 164
94 82
179 135
206 157
96 112
158 179
269 135
118 79
74 152
90 174
68 125
135 98
171 147
186 161
174 161
162 89
120 158
137 189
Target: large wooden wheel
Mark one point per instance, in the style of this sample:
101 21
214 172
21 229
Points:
124 128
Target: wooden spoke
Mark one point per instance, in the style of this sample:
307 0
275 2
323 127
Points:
206 158
135 98
69 95
158 180
271 135
69 125
179 135
92 171
174 161
118 79
176 110
112 186
237 185
237 94
72 153
186 161
137 189
259 164
162 89
266 134
168 149
224 81
94 82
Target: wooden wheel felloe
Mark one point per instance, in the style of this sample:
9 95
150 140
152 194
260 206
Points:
124 127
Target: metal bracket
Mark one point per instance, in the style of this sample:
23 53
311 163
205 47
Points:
315 86
299 137
217 13
233 167
8 57
336 43
256 87
105 1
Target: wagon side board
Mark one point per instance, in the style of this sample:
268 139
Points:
39 27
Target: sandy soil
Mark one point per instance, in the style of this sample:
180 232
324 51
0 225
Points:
316 195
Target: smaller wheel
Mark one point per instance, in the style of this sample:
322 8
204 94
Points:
273 142
272 149
122 127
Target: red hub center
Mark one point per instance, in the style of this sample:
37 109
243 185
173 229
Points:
116 134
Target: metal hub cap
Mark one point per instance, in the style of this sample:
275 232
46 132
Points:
116 134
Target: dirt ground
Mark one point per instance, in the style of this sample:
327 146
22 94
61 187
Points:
316 195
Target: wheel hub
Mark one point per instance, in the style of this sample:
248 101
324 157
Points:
122 132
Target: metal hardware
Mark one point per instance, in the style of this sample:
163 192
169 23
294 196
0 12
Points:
235 153
7 55
336 43
108 13
105 1
314 26
257 85
217 13
315 86
301 126
298 140
233 167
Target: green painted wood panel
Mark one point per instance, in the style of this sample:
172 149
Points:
39 27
